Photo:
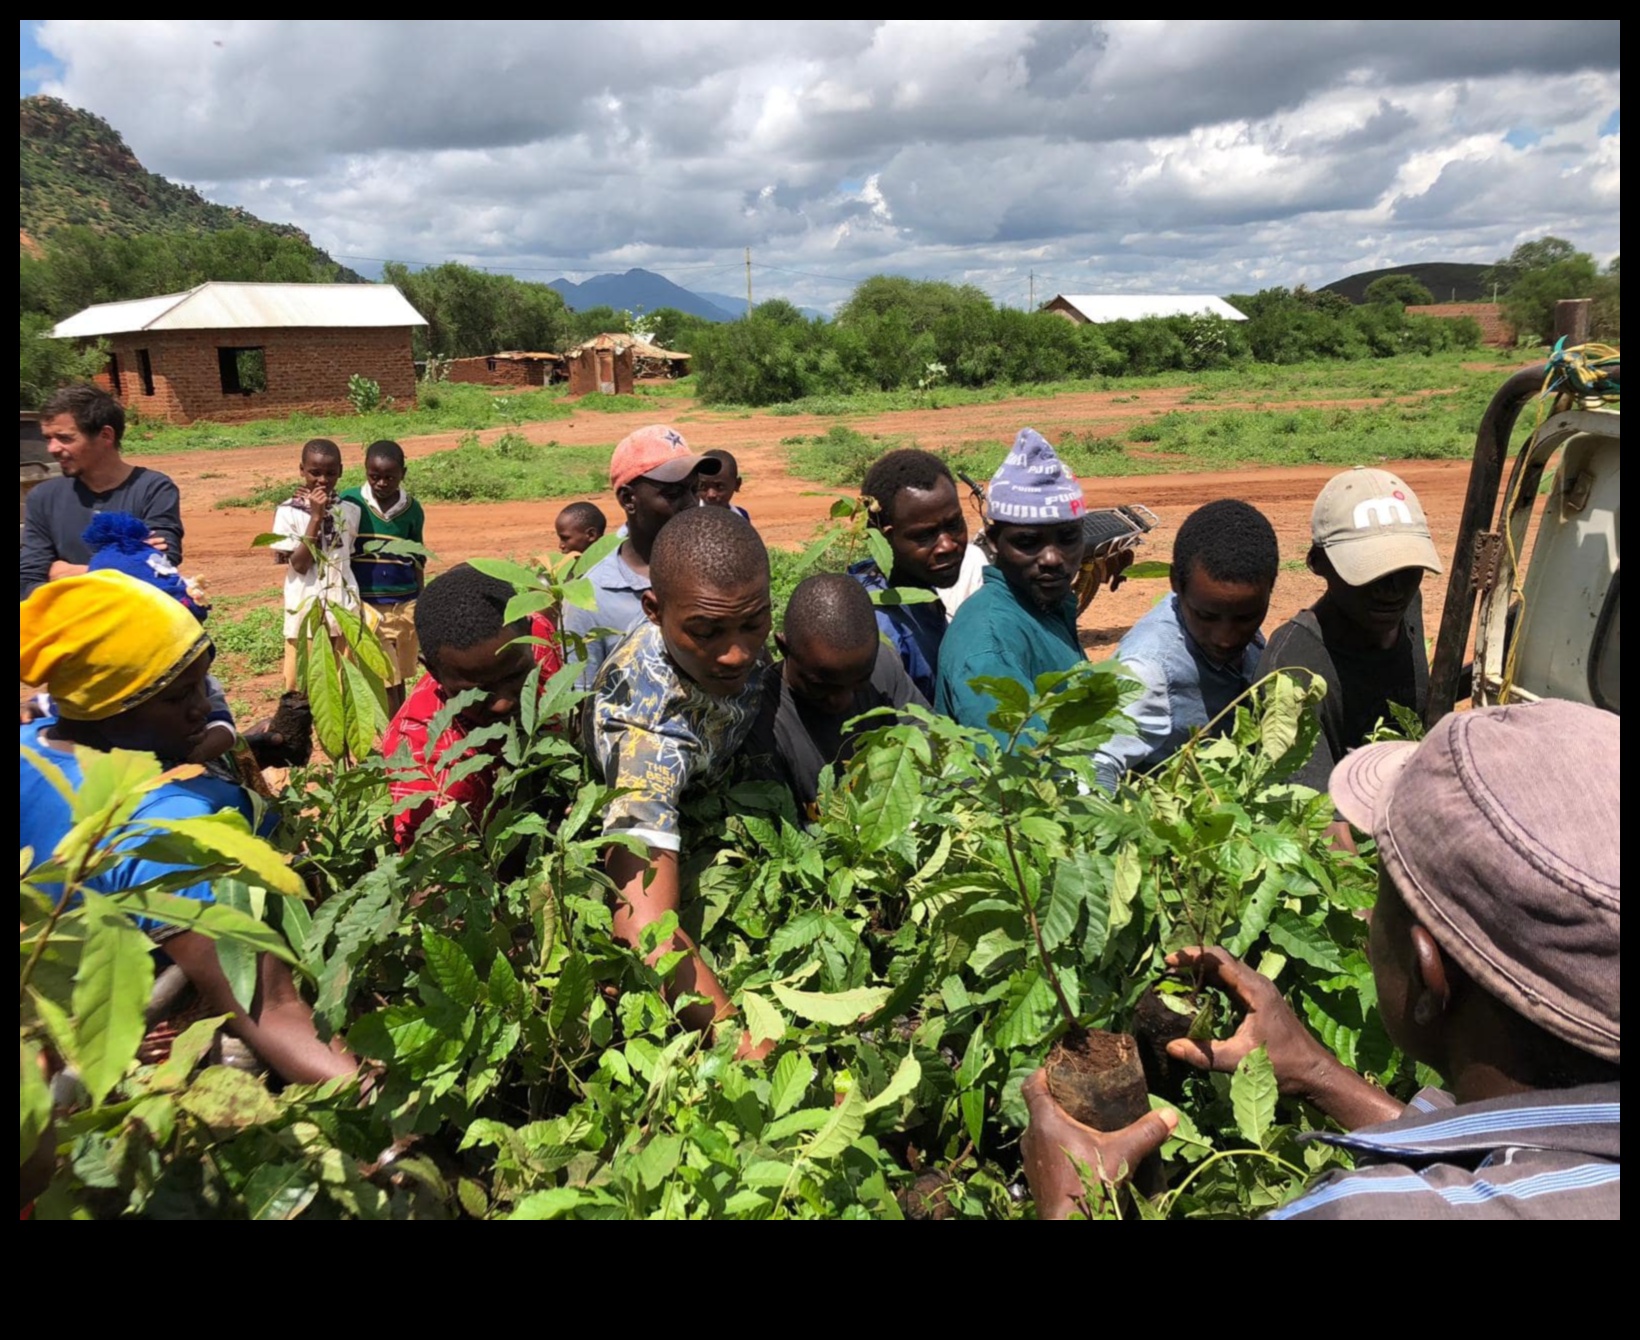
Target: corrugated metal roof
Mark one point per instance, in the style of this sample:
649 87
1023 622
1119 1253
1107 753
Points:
223 306
1100 307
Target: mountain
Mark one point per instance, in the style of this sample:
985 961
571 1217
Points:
737 306
76 169
635 290
1448 281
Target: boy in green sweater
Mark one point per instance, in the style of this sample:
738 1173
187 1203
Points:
389 582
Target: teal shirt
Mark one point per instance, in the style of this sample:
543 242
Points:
994 633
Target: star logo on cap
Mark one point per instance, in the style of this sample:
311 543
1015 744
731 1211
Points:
674 437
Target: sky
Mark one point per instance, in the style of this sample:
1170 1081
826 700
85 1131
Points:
1048 156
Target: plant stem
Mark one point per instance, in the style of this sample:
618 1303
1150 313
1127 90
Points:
1035 925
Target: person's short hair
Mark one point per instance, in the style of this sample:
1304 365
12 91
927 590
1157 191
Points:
833 608
728 465
586 515
91 409
323 448
907 468
1231 541
708 544
385 450
459 609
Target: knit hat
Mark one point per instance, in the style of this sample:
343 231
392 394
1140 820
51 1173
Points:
118 542
659 453
104 643
1502 831
1370 525
1033 485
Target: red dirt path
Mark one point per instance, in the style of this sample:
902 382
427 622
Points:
786 510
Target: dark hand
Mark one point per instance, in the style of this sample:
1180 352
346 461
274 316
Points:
1055 1143
1295 1053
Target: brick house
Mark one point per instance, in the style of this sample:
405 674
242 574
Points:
1496 329
233 352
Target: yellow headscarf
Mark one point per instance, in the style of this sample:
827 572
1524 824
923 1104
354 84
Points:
104 643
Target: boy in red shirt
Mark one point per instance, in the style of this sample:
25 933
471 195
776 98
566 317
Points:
464 645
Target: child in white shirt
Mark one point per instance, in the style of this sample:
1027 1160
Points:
317 530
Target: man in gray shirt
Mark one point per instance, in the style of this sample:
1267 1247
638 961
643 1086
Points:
83 427
653 475
836 667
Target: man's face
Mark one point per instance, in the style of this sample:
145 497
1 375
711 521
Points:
1222 617
650 504
172 723
717 490
1040 562
714 635
573 538
928 533
827 677
498 665
320 473
386 479
74 451
1378 607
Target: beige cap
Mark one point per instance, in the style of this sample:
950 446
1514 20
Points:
1371 524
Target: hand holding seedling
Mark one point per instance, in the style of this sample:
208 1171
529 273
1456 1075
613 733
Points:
1056 1147
1304 1068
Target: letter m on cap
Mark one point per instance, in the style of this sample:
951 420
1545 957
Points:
1382 512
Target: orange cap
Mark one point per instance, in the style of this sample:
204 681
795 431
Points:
656 452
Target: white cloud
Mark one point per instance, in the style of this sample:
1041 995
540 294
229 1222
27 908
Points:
1131 154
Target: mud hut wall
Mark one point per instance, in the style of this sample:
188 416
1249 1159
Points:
490 371
601 370
307 369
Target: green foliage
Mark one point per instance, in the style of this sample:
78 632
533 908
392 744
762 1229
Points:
471 313
365 395
1398 290
256 635
44 364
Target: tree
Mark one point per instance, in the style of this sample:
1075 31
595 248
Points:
1398 291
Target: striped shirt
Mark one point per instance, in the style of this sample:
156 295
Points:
386 578
1546 1154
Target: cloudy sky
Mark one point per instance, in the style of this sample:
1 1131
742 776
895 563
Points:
1104 155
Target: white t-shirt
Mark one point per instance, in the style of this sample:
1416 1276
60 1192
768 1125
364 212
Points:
969 580
332 572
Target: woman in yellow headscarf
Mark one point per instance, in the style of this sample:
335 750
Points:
125 667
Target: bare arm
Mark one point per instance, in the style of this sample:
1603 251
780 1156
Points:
60 569
640 903
278 1027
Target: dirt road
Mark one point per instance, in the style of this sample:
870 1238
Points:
787 510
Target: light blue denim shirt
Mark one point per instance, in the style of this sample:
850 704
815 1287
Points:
620 609
1183 690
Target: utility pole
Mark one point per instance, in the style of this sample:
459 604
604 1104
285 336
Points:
1031 307
748 281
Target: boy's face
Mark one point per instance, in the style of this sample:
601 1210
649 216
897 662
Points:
1378 607
1040 562
320 473
498 665
928 534
651 503
1222 617
386 478
826 676
718 490
574 538
714 635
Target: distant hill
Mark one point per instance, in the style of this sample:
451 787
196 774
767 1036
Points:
634 290
75 168
737 306
1448 281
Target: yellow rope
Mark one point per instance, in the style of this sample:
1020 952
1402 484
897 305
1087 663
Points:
1576 372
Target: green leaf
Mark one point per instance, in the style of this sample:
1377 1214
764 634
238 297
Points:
228 1101
186 1051
581 593
906 1078
505 991
1074 877
238 960
658 1159
763 1021
53 775
110 997
572 995
793 1073
215 921
324 693
514 574
1026 1011
220 839
554 1203
450 969
881 551
33 1101
473 1200
838 1007
1124 888
279 1191
845 1125
889 795
365 709
1253 1093
1147 571
1305 942
596 553
891 596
